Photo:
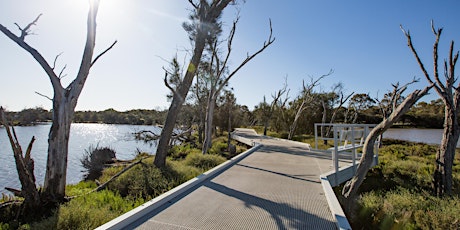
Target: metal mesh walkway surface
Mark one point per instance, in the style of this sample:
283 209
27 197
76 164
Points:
276 187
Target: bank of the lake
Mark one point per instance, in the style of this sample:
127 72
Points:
82 135
119 138
427 136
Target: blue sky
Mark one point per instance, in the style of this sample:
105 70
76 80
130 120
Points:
360 40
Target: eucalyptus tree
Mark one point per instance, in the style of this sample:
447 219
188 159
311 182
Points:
64 101
397 108
266 111
219 73
358 103
305 98
204 21
449 92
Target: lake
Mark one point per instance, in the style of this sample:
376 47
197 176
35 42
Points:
119 138
428 136
82 136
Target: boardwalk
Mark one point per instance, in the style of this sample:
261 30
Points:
276 187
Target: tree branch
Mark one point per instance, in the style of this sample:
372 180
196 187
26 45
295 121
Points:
267 43
105 51
174 92
26 30
37 56
49 98
439 87
55 60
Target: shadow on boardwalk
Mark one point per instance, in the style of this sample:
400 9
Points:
285 215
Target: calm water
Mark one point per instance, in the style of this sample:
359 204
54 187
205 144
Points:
117 137
429 136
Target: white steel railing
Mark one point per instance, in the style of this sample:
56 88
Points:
346 138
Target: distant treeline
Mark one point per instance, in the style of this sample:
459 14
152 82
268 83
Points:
109 116
422 115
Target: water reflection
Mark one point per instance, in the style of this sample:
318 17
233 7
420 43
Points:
117 137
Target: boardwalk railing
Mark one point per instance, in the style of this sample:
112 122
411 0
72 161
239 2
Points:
347 138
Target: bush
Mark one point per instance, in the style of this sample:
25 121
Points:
204 161
87 212
396 194
179 152
405 209
95 159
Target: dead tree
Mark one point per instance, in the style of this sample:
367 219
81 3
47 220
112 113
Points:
449 92
219 79
25 168
342 99
306 98
64 102
205 17
397 111
277 103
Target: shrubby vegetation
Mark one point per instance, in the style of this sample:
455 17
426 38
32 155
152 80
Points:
397 194
137 185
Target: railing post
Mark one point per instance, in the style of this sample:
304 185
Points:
353 151
335 157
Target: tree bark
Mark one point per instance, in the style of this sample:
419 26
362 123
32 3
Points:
178 100
442 177
25 169
64 103
351 188
58 143
208 125
450 95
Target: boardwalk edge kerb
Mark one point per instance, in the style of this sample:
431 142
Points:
135 214
334 205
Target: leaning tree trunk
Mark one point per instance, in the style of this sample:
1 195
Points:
296 119
350 190
176 104
442 177
208 124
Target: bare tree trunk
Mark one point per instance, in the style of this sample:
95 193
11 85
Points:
208 14
64 103
58 142
350 189
450 95
176 104
442 177
219 81
208 125
296 119
25 168
229 129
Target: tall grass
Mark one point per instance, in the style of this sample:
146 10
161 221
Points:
139 184
397 193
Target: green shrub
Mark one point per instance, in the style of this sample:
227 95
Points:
147 181
87 212
218 148
81 188
178 152
396 194
204 161
144 180
405 209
